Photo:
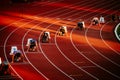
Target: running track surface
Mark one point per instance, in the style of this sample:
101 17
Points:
90 54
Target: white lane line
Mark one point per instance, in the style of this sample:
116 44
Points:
105 41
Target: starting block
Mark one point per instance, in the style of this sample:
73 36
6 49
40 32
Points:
102 20
83 24
13 48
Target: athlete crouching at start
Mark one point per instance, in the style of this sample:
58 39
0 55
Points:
81 25
95 21
4 69
17 56
46 37
32 44
62 31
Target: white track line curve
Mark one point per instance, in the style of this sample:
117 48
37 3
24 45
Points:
105 42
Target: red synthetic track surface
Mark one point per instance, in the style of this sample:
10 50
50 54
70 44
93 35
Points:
90 54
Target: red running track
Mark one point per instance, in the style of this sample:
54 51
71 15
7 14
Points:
90 54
